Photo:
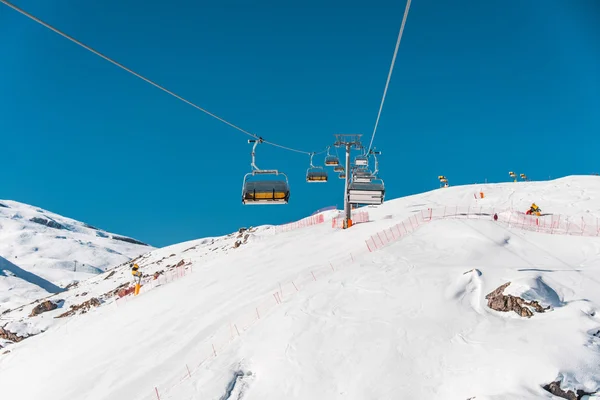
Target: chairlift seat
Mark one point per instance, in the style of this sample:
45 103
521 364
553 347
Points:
362 179
266 192
332 160
361 161
316 175
338 168
366 193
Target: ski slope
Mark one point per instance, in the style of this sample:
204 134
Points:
42 252
408 321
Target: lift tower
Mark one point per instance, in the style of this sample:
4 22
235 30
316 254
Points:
348 142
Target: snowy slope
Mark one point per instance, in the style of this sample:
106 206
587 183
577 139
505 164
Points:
409 321
42 252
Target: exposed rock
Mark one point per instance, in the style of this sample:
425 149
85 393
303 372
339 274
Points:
81 308
506 303
128 240
90 226
47 222
237 244
555 389
8 335
44 306
180 264
111 274
72 285
191 248
4 205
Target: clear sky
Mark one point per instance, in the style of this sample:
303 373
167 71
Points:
479 88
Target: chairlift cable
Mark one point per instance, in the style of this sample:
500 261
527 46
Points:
390 72
72 39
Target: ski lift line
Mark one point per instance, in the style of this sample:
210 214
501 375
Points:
390 72
72 39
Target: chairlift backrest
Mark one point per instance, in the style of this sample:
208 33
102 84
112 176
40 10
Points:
264 191
361 161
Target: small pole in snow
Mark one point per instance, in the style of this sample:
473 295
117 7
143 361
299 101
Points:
157 395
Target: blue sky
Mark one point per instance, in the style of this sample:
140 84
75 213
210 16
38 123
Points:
479 88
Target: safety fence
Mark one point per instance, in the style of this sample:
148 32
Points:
357 217
555 224
242 322
304 222
150 282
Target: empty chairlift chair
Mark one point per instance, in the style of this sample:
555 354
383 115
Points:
331 161
315 174
362 176
258 190
338 168
371 193
361 161
262 191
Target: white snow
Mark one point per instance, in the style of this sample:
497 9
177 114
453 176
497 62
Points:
409 321
37 260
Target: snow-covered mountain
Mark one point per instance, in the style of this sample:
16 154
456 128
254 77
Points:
311 313
42 252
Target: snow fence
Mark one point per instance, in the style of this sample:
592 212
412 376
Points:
213 346
554 224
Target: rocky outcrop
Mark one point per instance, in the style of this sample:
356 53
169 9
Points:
8 335
111 274
81 308
506 303
45 306
47 222
128 240
556 390
242 233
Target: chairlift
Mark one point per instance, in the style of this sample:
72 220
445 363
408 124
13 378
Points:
330 160
342 175
371 193
315 174
362 176
257 190
361 161
338 168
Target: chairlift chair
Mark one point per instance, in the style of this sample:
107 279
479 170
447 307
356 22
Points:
257 190
315 174
362 176
338 168
372 193
361 161
330 160
342 175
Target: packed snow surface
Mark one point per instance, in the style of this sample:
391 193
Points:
42 252
408 321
